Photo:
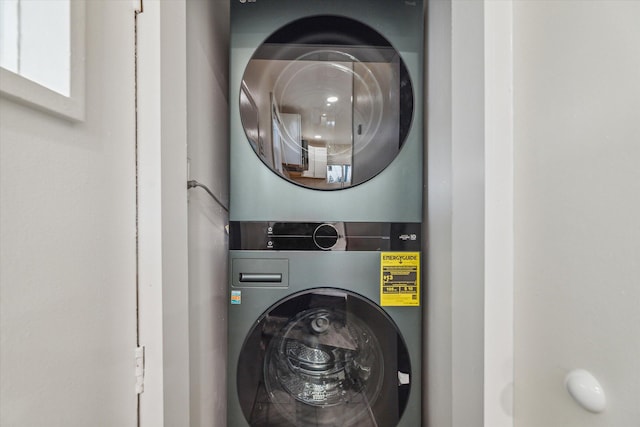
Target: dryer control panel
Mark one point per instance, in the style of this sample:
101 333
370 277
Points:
324 236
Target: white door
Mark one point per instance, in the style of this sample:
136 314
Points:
68 235
577 210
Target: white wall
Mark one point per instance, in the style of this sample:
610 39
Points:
499 251
577 208
455 215
208 141
67 246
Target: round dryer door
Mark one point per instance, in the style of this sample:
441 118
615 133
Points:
323 357
326 102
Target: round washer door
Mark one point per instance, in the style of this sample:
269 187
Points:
323 357
326 102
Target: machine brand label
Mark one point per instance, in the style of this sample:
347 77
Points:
236 297
400 279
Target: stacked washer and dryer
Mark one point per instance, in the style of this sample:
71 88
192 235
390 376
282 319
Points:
325 213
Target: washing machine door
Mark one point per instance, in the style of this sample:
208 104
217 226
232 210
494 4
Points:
323 357
326 102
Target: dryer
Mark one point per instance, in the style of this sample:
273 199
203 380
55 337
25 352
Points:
325 213
326 110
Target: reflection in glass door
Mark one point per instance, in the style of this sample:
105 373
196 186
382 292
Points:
339 106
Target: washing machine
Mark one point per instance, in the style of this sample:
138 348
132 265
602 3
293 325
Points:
325 213
324 327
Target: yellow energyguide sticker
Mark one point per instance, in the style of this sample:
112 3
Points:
400 279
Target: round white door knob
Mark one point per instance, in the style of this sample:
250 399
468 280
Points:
586 390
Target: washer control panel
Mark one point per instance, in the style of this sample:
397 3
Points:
324 236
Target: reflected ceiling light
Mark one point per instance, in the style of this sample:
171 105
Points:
318 137
332 99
